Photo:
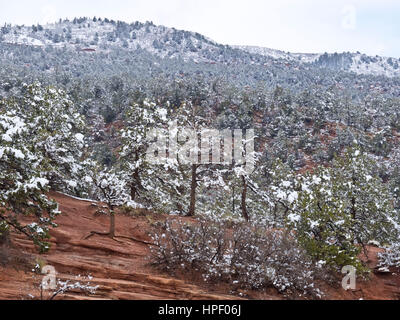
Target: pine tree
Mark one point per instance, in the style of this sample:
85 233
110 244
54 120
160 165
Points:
136 137
40 147
110 188
336 211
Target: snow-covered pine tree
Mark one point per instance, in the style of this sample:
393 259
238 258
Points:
40 148
57 132
24 207
336 211
136 136
110 187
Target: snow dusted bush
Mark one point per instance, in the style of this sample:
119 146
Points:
390 257
51 289
109 186
66 286
244 255
336 211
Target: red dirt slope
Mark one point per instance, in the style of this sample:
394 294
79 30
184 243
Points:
121 270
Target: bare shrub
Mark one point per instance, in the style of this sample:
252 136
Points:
11 256
4 256
15 258
4 236
243 255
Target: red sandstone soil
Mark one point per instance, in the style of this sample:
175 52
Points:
122 270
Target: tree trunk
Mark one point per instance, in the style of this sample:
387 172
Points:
112 223
244 196
353 208
135 183
233 200
193 187
133 191
135 180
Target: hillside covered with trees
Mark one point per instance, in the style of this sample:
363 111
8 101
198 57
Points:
81 101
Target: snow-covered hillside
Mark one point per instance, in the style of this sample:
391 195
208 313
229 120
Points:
352 62
377 65
278 54
101 35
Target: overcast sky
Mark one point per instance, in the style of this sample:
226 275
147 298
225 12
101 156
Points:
369 26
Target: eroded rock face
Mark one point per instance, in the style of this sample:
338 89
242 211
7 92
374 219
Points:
120 269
